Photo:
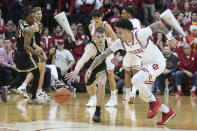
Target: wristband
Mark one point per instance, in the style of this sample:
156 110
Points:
169 36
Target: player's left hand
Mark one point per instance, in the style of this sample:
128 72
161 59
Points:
173 43
88 74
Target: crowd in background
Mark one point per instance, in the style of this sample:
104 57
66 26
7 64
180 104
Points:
181 69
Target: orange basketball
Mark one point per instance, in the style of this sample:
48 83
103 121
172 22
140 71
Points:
62 96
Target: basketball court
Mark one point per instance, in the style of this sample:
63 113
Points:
17 115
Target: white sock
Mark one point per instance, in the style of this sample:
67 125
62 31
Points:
93 97
113 93
39 90
179 88
193 88
133 92
128 92
164 108
24 85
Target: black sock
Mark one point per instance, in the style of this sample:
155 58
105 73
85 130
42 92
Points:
98 109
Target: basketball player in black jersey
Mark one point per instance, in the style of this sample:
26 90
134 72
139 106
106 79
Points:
23 56
98 76
37 29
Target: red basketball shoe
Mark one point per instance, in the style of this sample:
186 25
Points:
154 107
166 117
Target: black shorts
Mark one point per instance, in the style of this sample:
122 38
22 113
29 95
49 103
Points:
93 76
24 61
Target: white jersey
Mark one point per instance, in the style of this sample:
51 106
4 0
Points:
136 23
141 46
62 59
94 28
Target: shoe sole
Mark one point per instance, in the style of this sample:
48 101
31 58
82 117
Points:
171 117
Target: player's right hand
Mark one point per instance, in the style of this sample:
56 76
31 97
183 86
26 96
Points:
173 43
71 76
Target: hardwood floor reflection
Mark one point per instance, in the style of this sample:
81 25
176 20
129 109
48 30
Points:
123 115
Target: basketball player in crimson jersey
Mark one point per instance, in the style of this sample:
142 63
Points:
96 22
139 44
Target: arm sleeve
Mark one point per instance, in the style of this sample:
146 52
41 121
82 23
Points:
116 45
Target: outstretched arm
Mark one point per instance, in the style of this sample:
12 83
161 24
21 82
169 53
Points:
158 26
101 58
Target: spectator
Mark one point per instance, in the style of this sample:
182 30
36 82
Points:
175 6
66 5
10 29
1 39
193 5
49 9
115 16
148 10
192 39
125 3
187 69
169 72
2 23
160 40
15 10
106 9
187 13
7 61
58 34
63 59
193 21
46 40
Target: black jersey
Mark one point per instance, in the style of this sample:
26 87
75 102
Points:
20 36
100 68
22 58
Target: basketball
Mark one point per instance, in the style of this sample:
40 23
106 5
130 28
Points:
62 96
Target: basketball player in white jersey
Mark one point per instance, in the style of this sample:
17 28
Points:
138 43
134 65
96 22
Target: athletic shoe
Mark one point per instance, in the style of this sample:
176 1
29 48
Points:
192 94
4 94
91 102
96 117
34 102
178 93
154 107
166 117
22 91
43 96
112 101
59 83
12 91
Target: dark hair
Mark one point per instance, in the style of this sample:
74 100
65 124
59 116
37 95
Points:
100 30
130 9
35 9
27 13
157 11
124 24
96 13
6 39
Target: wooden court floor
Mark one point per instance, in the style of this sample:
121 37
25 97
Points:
17 115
